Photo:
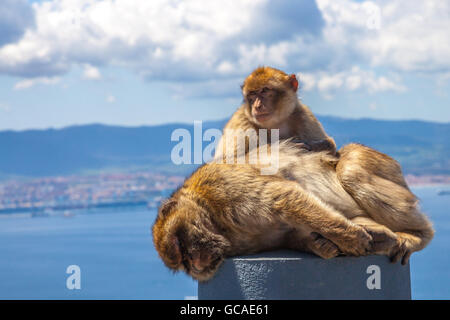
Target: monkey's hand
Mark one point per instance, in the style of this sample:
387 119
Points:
355 242
301 144
323 145
318 145
384 240
402 250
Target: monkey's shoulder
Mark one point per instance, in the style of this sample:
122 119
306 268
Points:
239 120
305 125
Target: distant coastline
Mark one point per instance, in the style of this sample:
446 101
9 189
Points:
102 191
428 180
57 195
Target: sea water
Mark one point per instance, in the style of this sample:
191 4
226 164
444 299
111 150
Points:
117 260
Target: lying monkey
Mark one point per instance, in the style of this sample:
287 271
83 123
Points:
224 210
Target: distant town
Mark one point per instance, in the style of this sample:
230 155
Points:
427 180
42 196
64 194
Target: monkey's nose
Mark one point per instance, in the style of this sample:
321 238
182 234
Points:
259 108
194 268
197 263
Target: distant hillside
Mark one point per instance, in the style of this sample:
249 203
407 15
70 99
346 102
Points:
421 147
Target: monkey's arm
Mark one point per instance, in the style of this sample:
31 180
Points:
300 208
311 131
322 145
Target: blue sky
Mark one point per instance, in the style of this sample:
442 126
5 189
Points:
137 62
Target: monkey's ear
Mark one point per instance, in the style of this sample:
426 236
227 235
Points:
294 82
166 207
177 257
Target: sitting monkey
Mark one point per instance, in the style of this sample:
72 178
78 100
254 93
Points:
224 210
270 102
373 179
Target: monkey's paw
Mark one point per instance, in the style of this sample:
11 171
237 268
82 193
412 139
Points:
383 240
323 247
401 251
355 243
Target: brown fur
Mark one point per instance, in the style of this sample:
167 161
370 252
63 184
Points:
356 204
376 182
373 179
225 210
263 76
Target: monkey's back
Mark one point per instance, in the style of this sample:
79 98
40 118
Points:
316 173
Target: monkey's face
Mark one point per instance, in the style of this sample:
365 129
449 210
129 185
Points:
262 103
192 252
270 96
186 245
268 107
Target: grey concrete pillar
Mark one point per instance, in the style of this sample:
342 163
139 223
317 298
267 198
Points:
293 275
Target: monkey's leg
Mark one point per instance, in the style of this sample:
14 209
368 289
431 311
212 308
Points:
356 157
376 183
302 209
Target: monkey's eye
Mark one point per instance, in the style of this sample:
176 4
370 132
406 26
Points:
265 91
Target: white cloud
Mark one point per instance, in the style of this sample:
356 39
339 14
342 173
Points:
91 73
328 83
224 88
408 35
225 67
163 39
307 81
205 40
110 99
5 107
149 36
350 80
28 83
